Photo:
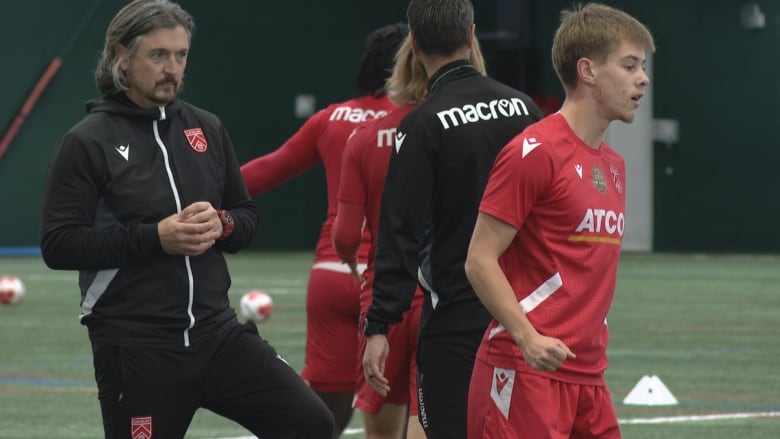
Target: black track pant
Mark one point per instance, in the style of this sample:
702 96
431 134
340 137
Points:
147 391
444 366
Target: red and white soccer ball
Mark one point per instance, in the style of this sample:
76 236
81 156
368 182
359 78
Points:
257 306
11 290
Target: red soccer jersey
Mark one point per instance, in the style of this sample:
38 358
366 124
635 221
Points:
320 139
363 176
567 201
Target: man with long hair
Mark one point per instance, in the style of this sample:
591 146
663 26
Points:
143 196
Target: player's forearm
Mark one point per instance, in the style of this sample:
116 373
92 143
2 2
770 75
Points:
99 248
347 231
396 261
495 292
393 288
265 173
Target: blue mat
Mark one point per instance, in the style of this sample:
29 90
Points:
20 251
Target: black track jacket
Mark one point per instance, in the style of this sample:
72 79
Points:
112 178
444 152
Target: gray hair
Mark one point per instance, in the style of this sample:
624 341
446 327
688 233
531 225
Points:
133 21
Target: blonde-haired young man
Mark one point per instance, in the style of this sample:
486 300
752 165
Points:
544 254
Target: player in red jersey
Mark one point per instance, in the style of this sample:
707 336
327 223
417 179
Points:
544 254
387 412
332 300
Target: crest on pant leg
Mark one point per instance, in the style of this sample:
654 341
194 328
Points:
141 427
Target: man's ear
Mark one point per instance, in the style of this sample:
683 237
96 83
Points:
586 71
471 36
118 51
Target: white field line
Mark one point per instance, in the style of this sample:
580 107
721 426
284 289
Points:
698 418
659 420
347 432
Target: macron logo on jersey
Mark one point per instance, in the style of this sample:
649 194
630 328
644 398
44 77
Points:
492 110
124 151
389 137
399 140
385 138
355 115
529 144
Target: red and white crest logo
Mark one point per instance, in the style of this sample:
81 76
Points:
616 178
197 139
141 427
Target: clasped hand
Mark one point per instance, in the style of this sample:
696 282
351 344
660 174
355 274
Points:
545 353
190 232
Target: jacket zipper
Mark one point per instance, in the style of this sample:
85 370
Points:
175 191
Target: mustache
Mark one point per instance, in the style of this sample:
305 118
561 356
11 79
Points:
169 80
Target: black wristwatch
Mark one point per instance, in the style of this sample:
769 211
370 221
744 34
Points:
374 327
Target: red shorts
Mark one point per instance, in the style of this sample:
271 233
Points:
332 316
503 403
401 363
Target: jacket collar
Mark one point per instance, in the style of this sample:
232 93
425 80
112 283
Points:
119 103
449 72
